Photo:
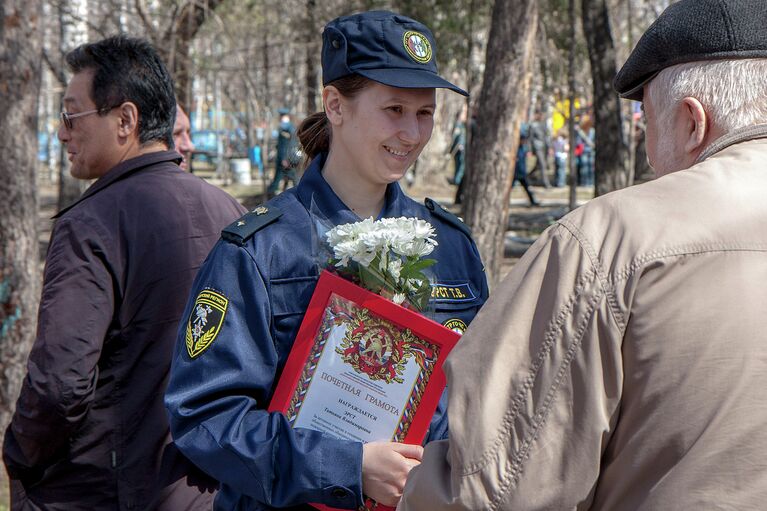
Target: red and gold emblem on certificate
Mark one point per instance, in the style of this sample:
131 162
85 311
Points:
374 347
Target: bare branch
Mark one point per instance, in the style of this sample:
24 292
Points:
56 69
148 26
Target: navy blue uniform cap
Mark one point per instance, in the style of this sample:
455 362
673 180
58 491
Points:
695 30
385 47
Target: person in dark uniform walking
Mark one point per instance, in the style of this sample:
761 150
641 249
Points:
540 143
380 77
285 160
520 165
89 431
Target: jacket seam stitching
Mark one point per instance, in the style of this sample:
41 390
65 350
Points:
689 250
514 467
604 280
510 416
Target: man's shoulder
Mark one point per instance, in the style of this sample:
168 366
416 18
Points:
706 205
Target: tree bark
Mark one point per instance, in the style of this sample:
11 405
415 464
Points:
20 71
175 43
186 25
501 106
70 188
312 50
610 147
571 169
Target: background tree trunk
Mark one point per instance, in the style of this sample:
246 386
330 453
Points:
20 68
611 153
187 25
502 103
175 44
312 50
70 188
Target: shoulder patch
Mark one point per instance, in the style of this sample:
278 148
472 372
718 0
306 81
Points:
239 231
446 216
205 321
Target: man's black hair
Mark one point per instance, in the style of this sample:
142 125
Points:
130 69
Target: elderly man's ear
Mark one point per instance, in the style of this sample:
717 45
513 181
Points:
697 125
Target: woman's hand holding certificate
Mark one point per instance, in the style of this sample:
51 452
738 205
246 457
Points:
385 466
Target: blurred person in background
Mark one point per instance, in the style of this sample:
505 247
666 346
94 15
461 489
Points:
182 138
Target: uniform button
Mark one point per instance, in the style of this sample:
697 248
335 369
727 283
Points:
336 44
339 493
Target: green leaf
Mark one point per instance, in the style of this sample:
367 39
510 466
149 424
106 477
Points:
371 280
413 270
420 297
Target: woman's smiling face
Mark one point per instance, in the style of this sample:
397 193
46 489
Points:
384 130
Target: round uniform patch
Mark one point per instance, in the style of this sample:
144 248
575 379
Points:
417 46
456 325
205 321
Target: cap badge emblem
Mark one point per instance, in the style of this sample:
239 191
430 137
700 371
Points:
260 210
417 46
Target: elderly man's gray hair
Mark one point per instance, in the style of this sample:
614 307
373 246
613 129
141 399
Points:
732 92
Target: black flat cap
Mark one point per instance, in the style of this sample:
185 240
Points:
695 30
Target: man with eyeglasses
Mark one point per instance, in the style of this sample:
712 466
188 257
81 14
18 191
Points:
90 430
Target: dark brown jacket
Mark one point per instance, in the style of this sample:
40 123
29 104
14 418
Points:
90 430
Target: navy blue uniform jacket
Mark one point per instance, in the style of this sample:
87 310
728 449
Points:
217 399
90 431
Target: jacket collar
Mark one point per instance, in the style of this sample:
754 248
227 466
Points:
122 171
319 199
734 137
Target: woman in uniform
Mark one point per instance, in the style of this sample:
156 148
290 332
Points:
250 295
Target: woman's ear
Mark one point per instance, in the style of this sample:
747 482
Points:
333 101
128 113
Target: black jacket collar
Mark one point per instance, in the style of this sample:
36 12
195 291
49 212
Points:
122 171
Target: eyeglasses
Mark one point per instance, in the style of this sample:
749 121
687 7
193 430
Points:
66 117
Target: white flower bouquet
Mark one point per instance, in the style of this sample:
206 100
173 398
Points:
386 257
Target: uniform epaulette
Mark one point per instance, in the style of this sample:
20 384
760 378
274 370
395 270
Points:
446 216
239 231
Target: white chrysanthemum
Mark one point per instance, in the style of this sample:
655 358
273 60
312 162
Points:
398 298
412 237
390 240
422 229
414 247
376 240
348 232
394 269
338 234
346 250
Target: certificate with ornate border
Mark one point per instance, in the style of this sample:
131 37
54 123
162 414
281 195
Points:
363 368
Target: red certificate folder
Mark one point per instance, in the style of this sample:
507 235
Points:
363 368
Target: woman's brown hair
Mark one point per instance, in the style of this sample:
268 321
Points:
314 132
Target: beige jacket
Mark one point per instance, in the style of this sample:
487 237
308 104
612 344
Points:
622 365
